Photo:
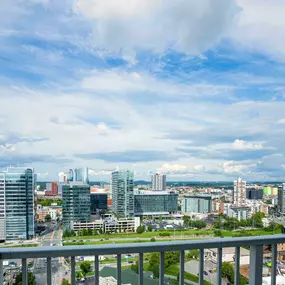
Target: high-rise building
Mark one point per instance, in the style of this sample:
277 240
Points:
51 189
78 175
62 177
123 193
75 204
254 194
17 188
239 193
158 182
281 198
149 203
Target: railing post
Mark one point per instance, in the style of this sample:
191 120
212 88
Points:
73 280
49 274
96 269
237 264
1 272
274 264
119 277
140 268
255 266
219 267
181 271
24 272
161 269
201 267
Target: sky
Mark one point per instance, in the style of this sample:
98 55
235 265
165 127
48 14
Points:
192 89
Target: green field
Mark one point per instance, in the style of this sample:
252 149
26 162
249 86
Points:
144 235
22 245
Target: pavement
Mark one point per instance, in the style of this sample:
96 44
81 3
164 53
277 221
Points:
59 269
193 267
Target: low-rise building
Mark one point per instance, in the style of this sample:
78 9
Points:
110 225
228 255
240 213
149 203
197 204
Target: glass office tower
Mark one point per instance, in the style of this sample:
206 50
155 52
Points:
17 187
75 204
123 193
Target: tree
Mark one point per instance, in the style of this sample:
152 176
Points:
65 282
48 218
89 232
85 267
149 228
100 231
194 253
160 218
135 267
140 229
155 271
84 232
31 279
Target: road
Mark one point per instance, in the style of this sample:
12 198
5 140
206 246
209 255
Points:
59 270
193 267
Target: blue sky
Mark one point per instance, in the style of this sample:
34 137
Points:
193 89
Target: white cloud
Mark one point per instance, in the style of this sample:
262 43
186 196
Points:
242 145
281 121
180 168
186 25
235 167
93 172
261 26
121 82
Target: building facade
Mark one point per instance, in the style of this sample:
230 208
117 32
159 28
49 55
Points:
239 193
158 182
197 204
123 193
240 213
17 190
75 204
78 175
281 198
254 194
51 189
99 201
155 202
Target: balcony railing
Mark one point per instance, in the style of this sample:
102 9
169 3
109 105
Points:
255 268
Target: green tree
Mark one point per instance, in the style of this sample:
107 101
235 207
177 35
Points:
48 218
85 267
31 279
194 253
135 267
100 231
65 282
140 229
84 232
149 228
89 232
155 271
160 218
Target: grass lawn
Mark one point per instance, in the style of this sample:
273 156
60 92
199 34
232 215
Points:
22 245
144 235
258 232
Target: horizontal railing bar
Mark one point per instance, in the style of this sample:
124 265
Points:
108 249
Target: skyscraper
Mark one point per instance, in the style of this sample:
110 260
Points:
239 193
78 175
281 198
158 182
17 186
123 193
75 204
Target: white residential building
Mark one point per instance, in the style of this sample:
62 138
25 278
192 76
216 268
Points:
158 182
239 193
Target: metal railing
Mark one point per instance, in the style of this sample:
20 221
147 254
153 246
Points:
255 268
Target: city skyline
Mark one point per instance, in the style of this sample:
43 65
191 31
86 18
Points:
101 87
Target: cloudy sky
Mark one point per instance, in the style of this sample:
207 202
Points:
193 89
